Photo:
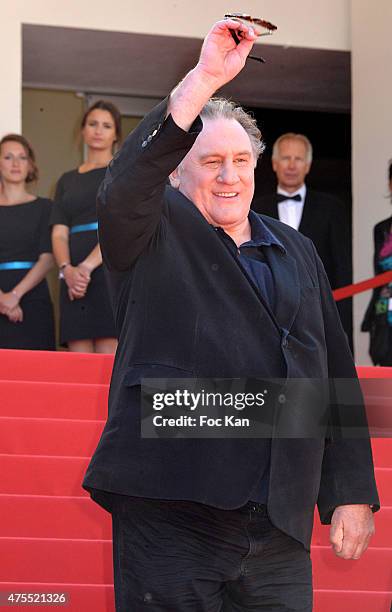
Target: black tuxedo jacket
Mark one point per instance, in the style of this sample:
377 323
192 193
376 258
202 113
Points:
183 308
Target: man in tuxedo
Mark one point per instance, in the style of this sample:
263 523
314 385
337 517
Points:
317 215
204 288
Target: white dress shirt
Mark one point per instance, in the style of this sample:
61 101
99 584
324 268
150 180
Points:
290 211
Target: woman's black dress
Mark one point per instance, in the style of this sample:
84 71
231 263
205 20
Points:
24 235
91 316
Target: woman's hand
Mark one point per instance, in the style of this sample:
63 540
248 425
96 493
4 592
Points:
8 301
77 279
16 315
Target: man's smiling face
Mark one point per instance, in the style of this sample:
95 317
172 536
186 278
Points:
217 175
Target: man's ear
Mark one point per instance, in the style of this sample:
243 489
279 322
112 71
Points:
174 178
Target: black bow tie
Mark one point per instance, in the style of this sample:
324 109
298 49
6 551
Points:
282 198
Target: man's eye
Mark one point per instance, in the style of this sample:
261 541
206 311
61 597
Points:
213 162
241 160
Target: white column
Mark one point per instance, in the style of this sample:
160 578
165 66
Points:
10 71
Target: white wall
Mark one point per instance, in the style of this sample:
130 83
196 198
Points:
300 24
372 138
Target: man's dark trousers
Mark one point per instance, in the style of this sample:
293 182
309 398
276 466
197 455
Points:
188 557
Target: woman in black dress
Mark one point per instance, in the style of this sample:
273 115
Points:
26 314
378 316
86 319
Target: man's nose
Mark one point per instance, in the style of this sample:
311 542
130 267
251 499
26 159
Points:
228 174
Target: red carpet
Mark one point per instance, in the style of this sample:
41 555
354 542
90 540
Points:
54 539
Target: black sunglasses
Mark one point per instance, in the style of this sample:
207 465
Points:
261 27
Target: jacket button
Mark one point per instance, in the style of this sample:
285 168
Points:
282 398
215 267
147 598
144 143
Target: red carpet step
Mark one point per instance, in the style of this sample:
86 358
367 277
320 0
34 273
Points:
47 366
46 516
57 437
56 560
359 601
42 475
53 400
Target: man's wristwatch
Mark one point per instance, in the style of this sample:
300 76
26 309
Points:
62 268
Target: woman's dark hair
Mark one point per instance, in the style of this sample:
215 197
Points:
390 170
33 173
110 108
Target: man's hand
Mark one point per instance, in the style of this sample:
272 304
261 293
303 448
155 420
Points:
221 58
352 526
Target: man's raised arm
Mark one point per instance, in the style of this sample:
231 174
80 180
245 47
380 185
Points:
130 199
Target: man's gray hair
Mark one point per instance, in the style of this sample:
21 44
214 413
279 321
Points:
217 108
292 136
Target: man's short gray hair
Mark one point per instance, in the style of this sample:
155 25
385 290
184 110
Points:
292 136
217 108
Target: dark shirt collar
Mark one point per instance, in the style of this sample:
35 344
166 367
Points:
261 235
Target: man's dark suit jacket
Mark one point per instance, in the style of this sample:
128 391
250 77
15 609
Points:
183 308
326 224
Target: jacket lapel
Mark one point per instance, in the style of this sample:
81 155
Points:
287 289
271 207
308 215
266 205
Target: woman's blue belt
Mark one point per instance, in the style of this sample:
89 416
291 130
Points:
17 265
87 227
